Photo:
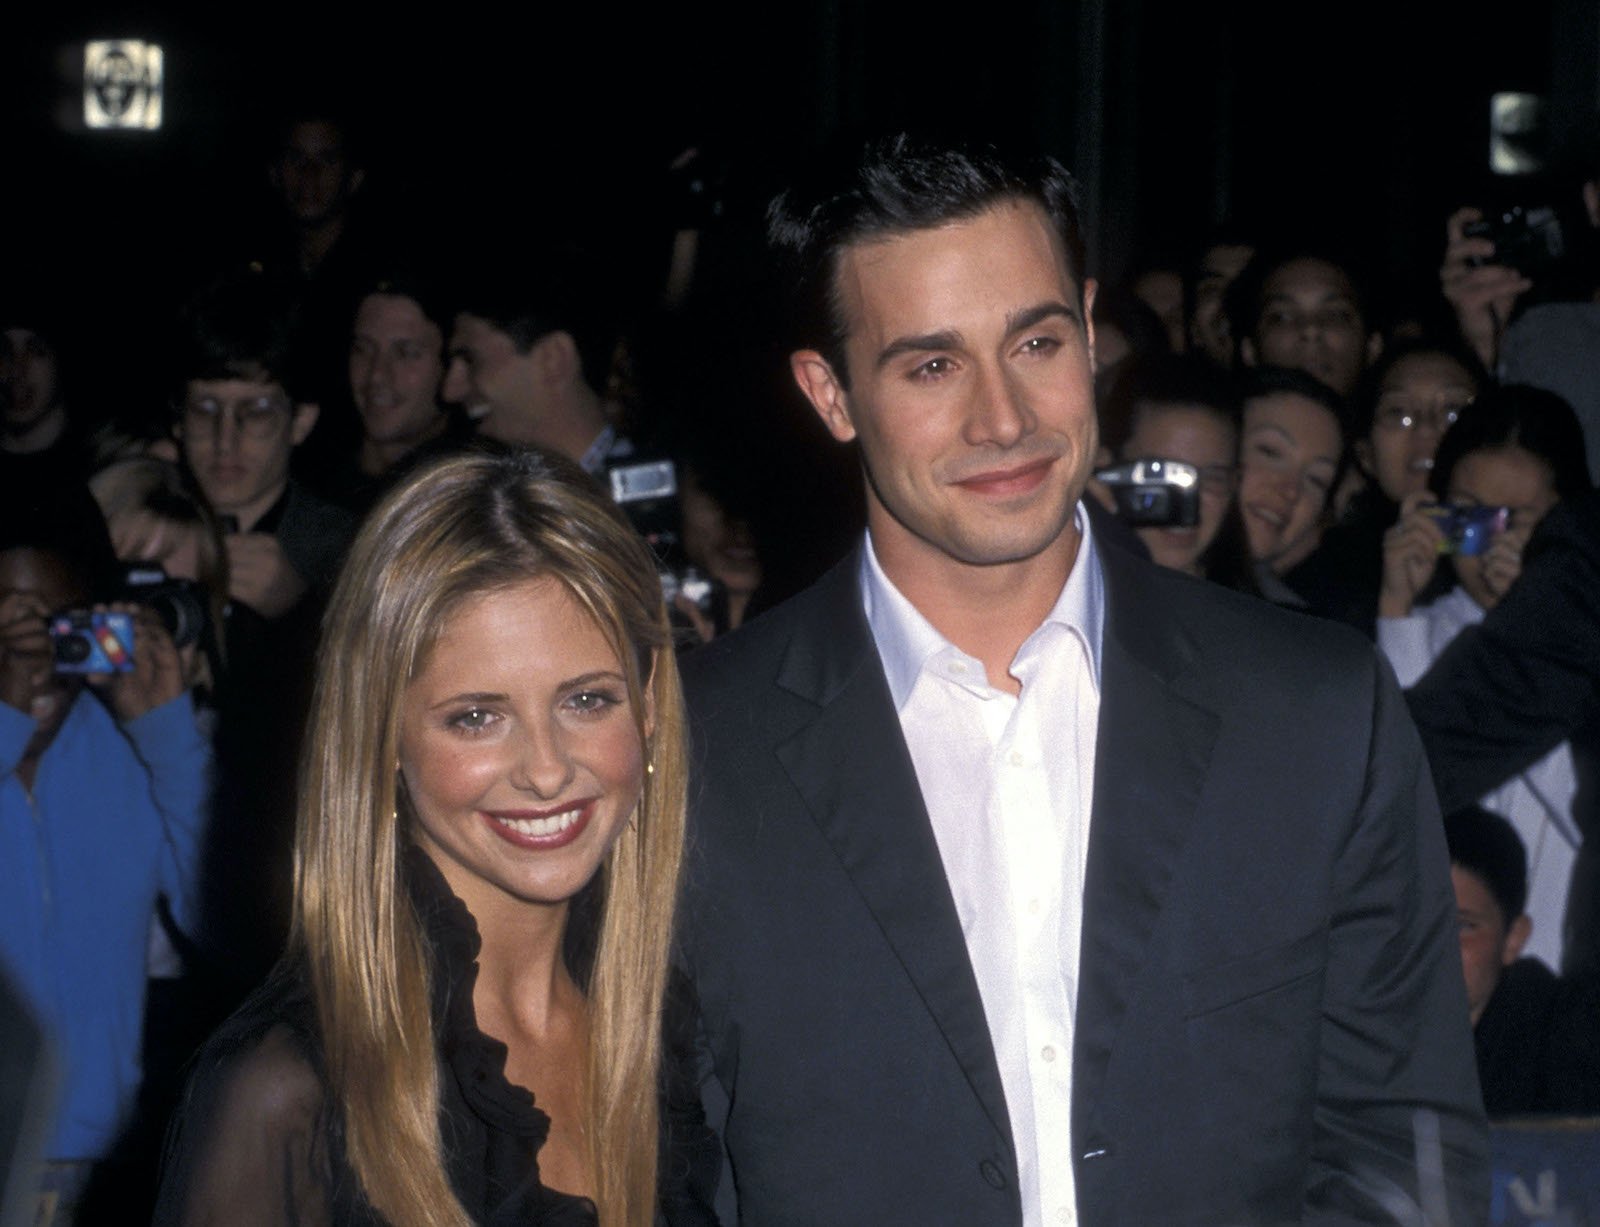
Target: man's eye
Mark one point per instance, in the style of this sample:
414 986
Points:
933 368
409 351
1041 345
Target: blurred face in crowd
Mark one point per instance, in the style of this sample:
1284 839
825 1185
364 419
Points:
1289 454
1161 290
1311 321
1419 399
520 747
396 367
1209 331
1499 477
48 585
969 351
28 389
495 382
720 544
1488 944
313 172
1197 435
237 437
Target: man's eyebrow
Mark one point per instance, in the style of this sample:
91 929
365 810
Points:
920 344
1037 314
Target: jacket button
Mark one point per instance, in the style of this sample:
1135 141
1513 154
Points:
992 1174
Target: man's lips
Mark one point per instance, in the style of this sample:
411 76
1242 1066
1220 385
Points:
1008 479
542 829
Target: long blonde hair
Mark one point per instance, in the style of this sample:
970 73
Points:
453 529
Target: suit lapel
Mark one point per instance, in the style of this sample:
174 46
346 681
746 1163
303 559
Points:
855 774
1153 751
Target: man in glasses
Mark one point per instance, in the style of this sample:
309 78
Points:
242 407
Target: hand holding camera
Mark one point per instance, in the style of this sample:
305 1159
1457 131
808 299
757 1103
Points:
1411 550
1480 288
25 655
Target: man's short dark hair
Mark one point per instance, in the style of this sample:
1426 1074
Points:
894 186
1488 847
243 326
531 294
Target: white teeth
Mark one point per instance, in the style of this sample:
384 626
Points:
535 827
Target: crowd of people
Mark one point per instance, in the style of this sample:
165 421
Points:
392 509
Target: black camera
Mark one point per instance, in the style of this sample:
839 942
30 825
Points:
1527 239
647 492
1155 493
180 604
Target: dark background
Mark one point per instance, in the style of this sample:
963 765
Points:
1367 119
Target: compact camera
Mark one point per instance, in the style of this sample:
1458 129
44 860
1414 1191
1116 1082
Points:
1527 239
87 642
647 492
1155 493
1468 528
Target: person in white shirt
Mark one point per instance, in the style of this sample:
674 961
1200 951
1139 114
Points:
1521 449
1020 889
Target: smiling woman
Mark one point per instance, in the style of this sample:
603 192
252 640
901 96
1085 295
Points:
490 827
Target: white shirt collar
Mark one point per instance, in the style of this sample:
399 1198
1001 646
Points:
905 639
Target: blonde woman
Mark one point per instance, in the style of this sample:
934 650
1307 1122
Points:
489 832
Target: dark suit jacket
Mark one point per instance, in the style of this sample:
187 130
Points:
1270 987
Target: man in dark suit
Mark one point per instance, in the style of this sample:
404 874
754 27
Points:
1028 883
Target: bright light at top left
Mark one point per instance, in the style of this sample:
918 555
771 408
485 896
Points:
122 84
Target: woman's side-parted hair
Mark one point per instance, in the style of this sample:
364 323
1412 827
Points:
453 529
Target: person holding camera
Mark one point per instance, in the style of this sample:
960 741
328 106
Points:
1512 456
102 802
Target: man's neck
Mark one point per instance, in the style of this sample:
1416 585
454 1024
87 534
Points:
250 514
313 243
377 456
986 611
43 434
569 426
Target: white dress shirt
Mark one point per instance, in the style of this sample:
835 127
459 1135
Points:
1537 802
1008 783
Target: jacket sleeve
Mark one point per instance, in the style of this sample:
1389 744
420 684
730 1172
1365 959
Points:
1399 1131
177 757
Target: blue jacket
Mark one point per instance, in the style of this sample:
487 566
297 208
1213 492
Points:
114 820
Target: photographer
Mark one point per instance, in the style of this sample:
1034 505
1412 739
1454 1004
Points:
101 806
1519 449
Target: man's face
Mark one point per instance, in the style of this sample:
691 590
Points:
491 379
1311 321
1488 944
313 173
237 437
970 369
27 380
396 365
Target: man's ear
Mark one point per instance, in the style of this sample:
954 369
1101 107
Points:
1516 938
353 181
1591 202
555 358
814 374
1374 347
305 417
1090 288
1366 458
1247 351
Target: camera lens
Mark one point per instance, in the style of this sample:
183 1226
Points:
72 649
180 609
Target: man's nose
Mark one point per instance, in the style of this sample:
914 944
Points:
1000 414
544 764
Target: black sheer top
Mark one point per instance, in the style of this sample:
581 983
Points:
255 1141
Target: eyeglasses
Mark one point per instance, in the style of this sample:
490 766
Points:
255 417
1402 415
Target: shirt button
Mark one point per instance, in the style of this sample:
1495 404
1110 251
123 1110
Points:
1033 907
1014 758
1048 1052
958 666
1063 1215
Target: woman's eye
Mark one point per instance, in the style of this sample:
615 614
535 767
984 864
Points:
586 702
472 720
